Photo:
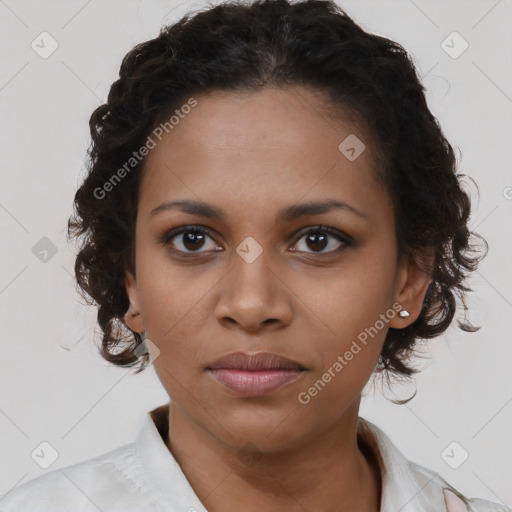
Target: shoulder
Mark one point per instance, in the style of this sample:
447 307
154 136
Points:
455 501
411 487
107 482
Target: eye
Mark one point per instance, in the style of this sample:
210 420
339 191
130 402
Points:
318 239
191 240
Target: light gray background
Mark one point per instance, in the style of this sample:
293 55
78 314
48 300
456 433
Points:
55 388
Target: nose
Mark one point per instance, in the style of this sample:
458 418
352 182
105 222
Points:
254 297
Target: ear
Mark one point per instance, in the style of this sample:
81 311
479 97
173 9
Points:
133 317
411 286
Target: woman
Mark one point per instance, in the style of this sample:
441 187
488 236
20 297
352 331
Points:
271 216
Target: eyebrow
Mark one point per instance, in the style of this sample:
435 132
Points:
287 214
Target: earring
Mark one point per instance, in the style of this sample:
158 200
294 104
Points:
404 313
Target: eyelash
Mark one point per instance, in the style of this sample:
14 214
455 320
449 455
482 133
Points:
167 237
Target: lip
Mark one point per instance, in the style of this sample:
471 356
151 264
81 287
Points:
254 374
254 361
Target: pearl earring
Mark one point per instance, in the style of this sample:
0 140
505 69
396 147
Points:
404 313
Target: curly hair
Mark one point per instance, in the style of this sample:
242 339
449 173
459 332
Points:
237 47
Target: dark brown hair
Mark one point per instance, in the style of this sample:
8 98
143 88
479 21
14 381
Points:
242 47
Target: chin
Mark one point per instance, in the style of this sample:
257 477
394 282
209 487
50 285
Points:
269 431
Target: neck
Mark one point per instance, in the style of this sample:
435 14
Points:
334 471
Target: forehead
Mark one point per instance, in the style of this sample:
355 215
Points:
261 150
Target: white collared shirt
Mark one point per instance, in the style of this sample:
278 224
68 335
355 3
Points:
143 476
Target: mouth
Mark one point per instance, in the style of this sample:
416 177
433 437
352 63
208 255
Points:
254 374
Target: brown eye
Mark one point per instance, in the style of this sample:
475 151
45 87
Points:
194 239
188 240
320 238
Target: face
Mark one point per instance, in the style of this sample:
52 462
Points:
305 287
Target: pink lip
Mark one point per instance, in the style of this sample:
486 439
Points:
254 361
254 374
254 383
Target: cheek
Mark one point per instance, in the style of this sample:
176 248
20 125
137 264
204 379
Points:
347 362
171 295
350 317
176 308
348 301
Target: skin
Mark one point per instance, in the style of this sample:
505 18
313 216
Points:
252 154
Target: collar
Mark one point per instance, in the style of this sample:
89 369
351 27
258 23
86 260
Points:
161 471
402 490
